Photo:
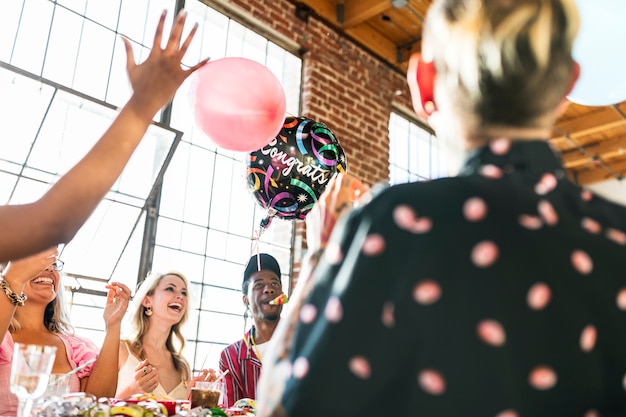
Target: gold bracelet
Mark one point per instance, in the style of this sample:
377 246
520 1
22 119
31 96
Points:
18 300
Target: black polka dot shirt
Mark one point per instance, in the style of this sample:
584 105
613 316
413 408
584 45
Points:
497 293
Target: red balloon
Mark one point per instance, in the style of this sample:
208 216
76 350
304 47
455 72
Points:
238 103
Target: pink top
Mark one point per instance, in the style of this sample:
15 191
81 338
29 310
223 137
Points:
77 349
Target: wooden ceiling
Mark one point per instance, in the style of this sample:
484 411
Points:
592 140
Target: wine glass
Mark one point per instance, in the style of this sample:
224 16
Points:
30 371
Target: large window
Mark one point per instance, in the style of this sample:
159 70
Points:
415 153
62 76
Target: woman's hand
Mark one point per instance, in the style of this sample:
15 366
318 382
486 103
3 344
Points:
116 304
20 271
208 375
156 80
146 377
340 195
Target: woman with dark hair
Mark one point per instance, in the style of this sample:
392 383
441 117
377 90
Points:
40 318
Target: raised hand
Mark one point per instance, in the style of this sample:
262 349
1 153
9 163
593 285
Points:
116 304
20 271
156 80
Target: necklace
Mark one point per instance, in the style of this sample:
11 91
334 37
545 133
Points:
254 346
256 349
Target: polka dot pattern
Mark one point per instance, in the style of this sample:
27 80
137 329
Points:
300 368
485 254
582 262
530 222
491 171
388 316
588 338
591 225
542 378
475 209
334 310
503 259
432 382
500 146
547 183
621 299
360 367
547 213
427 292
308 312
491 332
406 218
374 245
616 236
539 296
508 413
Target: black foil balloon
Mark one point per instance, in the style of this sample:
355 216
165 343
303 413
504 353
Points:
288 175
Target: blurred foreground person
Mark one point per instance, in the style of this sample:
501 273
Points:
498 292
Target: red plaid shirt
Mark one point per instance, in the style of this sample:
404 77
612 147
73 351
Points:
244 370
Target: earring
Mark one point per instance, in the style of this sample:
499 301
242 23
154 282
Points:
148 311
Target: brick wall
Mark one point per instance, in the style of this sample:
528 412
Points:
343 86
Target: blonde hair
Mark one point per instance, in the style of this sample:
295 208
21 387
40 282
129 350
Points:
507 62
139 324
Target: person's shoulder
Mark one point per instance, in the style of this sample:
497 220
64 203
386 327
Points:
433 195
234 347
74 340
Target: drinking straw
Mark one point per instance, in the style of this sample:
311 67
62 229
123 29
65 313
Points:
73 371
219 378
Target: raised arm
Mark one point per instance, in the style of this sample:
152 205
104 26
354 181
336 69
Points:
59 214
103 378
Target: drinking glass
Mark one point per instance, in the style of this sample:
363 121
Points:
30 371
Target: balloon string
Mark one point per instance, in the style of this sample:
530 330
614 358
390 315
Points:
255 249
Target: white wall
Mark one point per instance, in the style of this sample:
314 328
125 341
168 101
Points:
613 190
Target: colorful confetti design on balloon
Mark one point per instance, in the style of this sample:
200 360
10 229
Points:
291 172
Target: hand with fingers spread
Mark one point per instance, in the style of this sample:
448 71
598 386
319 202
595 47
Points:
156 80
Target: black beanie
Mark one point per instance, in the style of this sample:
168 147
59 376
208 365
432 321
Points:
267 262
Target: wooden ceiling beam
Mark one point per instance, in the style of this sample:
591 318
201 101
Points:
589 123
356 12
599 174
604 150
363 34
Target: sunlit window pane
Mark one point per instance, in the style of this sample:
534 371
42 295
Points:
92 66
105 12
207 221
414 152
32 35
63 49
9 21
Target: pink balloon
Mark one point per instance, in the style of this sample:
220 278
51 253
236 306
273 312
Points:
238 103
